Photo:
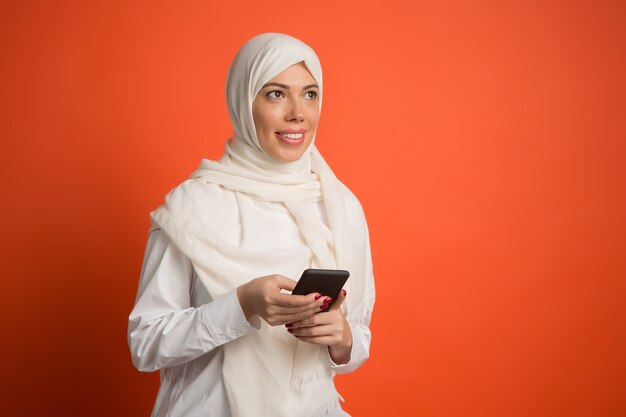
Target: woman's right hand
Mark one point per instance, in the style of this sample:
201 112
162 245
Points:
262 297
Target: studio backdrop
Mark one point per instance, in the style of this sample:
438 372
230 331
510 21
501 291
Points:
485 140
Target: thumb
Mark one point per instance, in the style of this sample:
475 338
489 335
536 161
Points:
340 298
284 283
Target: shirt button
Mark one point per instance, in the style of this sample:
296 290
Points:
222 338
243 328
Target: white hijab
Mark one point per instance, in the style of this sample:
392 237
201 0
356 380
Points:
269 372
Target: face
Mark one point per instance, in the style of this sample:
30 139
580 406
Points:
286 113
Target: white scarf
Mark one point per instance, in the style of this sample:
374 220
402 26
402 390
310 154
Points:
269 372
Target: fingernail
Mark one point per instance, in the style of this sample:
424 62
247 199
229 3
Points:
317 297
288 324
290 330
344 292
326 303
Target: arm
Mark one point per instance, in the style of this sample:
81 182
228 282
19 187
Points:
359 350
348 341
163 328
361 334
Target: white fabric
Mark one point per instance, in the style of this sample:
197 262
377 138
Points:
176 327
269 364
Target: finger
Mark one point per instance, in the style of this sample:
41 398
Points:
308 322
318 340
288 315
303 312
282 315
340 298
313 331
315 320
284 283
290 300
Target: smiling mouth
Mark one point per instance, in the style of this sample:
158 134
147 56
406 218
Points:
292 138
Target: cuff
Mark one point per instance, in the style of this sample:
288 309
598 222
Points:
225 321
337 367
358 354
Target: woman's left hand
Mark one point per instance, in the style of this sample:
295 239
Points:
327 328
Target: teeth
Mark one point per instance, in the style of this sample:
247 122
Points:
292 135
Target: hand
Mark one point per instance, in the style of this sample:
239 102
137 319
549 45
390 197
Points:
330 328
262 297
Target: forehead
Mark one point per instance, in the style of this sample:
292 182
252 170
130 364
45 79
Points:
297 74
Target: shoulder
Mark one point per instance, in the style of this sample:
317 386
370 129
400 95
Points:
351 200
354 209
195 204
194 194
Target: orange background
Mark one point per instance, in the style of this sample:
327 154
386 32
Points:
485 139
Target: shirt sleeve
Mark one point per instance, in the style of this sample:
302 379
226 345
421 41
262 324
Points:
361 338
163 328
361 333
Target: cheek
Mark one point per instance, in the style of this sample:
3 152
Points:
262 125
314 110
269 121
314 118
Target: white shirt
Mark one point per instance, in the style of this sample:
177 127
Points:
177 328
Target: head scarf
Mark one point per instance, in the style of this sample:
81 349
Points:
270 372
258 61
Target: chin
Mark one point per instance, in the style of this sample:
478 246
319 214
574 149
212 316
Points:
290 154
288 157
281 152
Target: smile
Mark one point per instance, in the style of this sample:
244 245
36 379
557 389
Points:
291 137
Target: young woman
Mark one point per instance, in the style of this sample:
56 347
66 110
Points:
213 311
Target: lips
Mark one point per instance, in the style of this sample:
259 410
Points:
291 136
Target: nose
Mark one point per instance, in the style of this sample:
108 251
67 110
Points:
295 112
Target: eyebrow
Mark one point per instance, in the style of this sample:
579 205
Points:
286 87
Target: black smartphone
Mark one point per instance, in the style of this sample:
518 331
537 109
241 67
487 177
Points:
327 282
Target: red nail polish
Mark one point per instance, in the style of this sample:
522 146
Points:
345 292
290 330
328 300
288 325
317 297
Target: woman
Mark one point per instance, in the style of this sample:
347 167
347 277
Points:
212 310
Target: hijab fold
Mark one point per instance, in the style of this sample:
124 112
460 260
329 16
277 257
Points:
270 372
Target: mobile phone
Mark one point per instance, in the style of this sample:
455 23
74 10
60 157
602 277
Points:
327 282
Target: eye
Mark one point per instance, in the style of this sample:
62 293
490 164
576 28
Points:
311 95
275 94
